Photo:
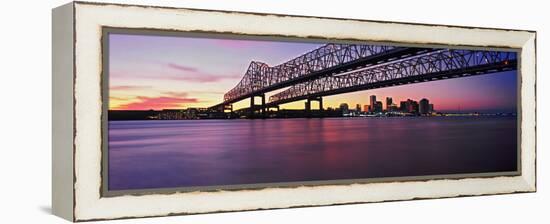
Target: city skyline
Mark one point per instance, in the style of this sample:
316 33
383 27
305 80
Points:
162 72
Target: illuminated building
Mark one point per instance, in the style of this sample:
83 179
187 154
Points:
344 108
424 106
389 102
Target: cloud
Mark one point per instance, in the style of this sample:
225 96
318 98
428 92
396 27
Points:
169 101
175 94
182 67
208 92
129 87
178 73
191 74
202 78
118 98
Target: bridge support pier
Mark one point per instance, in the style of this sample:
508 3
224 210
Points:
308 106
254 107
263 106
226 108
274 107
270 112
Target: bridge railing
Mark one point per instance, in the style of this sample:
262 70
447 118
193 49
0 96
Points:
439 62
259 75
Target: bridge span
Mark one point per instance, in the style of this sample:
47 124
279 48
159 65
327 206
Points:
336 69
327 60
441 64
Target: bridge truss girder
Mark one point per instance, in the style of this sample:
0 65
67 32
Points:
441 64
329 59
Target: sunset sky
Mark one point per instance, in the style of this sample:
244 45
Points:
165 72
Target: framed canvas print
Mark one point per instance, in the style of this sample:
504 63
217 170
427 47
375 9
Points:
167 111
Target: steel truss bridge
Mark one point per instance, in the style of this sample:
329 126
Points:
342 68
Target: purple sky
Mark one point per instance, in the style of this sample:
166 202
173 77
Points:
160 72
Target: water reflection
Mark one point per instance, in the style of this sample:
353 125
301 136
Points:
160 154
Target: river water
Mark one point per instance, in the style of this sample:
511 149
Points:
185 153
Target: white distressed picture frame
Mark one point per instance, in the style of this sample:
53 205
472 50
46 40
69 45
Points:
77 115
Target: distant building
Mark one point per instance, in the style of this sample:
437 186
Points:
344 108
389 102
392 108
409 106
192 113
424 106
372 102
358 108
403 106
413 107
377 107
202 113
431 108
366 108
168 114
133 115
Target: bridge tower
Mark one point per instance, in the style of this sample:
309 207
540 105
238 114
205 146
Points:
254 107
308 105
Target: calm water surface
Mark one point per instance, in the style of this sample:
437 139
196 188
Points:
184 153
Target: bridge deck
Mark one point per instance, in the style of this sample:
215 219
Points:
441 64
273 78
479 70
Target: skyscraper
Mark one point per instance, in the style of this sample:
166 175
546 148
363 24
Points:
372 102
409 106
389 102
377 107
414 107
403 106
424 106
